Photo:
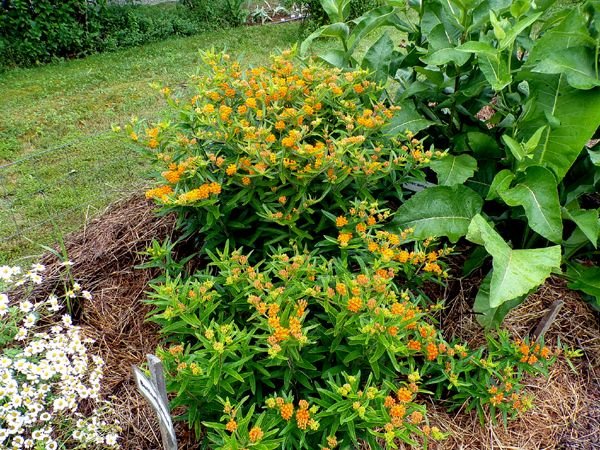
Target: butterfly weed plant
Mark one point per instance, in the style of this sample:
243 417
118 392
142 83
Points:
308 327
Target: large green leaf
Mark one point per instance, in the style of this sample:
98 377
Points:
446 55
586 220
571 31
407 119
453 170
537 192
378 58
440 211
486 315
336 30
576 63
585 279
375 18
515 272
576 117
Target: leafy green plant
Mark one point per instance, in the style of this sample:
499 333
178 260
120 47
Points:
301 350
255 156
224 12
37 31
513 90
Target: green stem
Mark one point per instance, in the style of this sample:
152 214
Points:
510 52
596 60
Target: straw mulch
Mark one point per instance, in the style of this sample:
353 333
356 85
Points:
567 406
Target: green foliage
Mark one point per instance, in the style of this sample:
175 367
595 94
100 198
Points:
222 12
302 350
38 32
440 211
255 156
512 88
319 11
515 272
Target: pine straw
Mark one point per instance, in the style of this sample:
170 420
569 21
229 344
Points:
105 254
566 413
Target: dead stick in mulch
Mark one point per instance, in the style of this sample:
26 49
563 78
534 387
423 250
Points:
547 320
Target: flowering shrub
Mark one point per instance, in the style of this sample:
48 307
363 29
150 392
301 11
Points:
254 154
327 350
46 373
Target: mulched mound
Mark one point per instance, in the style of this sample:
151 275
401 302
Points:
566 414
105 254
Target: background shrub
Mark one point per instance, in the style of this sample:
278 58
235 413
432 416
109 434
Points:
40 31
37 31
318 16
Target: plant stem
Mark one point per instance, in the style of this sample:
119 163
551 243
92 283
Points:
510 52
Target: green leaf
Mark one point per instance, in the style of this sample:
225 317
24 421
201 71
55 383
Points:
571 31
453 170
576 63
335 57
378 58
407 119
517 29
440 211
335 30
478 48
594 156
375 18
578 116
483 145
537 192
515 147
495 70
586 220
487 316
515 272
500 183
499 31
585 279
337 10
446 55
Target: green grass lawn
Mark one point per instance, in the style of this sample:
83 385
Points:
44 196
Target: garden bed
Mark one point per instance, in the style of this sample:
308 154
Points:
565 414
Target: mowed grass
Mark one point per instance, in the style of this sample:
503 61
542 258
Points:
72 105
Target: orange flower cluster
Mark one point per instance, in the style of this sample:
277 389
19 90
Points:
201 193
280 332
159 193
531 354
303 414
280 126
256 434
505 394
